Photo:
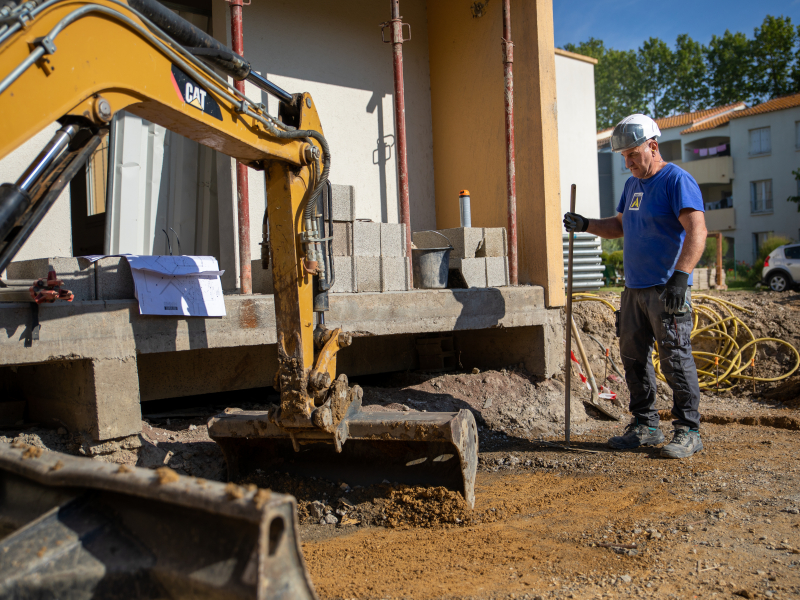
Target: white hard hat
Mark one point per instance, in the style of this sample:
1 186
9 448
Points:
633 131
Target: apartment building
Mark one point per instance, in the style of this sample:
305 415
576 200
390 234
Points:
742 158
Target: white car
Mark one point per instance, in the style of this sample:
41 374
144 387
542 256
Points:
781 270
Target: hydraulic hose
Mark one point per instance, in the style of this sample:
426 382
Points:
725 367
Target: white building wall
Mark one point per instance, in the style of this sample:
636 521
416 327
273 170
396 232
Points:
334 52
577 140
778 166
53 237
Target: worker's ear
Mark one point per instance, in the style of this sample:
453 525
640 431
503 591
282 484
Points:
653 146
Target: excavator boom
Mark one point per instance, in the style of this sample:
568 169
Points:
80 62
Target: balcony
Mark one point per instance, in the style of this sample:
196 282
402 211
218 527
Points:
722 219
718 169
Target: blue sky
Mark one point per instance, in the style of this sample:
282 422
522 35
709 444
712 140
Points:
625 24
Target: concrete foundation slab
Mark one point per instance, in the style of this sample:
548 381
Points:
78 274
344 202
96 360
96 396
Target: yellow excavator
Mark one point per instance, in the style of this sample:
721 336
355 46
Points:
80 62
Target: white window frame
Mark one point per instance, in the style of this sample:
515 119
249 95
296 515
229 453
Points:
760 141
762 204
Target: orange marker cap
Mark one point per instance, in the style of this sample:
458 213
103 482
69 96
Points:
463 193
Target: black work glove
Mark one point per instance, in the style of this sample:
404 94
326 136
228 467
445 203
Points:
674 294
575 222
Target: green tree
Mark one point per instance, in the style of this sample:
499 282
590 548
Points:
688 91
616 81
773 51
795 199
729 68
656 61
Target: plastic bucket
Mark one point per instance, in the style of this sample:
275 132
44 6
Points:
431 266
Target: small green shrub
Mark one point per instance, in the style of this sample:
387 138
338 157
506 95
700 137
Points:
709 257
772 242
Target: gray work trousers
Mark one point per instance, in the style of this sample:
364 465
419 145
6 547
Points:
643 321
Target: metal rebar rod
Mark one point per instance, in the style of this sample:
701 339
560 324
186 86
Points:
568 362
242 191
400 122
511 170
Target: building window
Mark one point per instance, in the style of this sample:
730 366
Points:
761 196
758 241
760 142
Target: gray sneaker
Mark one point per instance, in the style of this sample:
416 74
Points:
685 442
637 435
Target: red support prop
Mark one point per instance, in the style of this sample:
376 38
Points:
396 25
511 170
242 192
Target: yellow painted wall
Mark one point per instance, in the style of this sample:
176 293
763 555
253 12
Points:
466 69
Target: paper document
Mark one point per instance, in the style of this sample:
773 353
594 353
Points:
186 286
197 295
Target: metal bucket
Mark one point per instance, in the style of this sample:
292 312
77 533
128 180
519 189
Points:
431 265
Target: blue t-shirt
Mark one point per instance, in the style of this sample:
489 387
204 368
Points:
653 234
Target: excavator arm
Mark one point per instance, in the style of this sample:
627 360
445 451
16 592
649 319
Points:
79 62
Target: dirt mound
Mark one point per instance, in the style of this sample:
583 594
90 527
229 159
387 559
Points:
425 507
509 400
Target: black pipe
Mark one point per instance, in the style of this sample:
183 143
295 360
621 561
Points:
192 38
269 87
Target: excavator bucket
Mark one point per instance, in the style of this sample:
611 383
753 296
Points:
432 449
75 528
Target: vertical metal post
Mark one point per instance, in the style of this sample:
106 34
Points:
719 259
242 192
511 170
400 121
570 324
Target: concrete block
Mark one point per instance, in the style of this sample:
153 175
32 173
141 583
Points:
473 270
494 243
428 239
345 275
394 273
344 202
700 279
114 279
368 273
262 279
496 271
342 239
366 238
465 241
393 239
78 274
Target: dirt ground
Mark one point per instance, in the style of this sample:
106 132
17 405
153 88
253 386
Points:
548 522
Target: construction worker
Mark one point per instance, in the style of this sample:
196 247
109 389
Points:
661 216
